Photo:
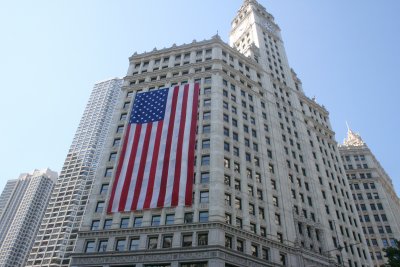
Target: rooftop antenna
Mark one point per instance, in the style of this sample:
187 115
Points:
348 128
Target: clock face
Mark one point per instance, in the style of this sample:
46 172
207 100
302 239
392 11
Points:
269 26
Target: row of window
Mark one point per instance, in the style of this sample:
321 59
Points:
156 220
153 242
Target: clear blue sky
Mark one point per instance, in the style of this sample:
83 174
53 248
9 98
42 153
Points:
347 53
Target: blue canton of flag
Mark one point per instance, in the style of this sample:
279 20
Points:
149 106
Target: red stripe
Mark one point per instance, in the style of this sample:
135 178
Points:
181 135
192 141
118 172
153 167
164 177
128 176
142 165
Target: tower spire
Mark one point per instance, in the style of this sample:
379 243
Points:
352 139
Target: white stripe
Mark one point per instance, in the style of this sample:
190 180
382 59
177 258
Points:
160 160
146 174
121 180
174 147
185 147
135 168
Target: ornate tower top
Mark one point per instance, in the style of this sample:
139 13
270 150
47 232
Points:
353 139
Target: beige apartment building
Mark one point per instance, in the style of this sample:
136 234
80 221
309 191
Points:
269 188
376 200
23 203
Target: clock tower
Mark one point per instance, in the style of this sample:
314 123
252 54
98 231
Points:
255 34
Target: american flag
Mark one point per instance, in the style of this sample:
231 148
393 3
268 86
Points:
156 163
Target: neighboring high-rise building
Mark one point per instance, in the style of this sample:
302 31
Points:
269 186
23 203
376 200
58 230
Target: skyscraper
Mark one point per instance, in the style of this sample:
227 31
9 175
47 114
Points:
376 201
269 187
58 230
23 203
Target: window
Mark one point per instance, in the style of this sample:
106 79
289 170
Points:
228 241
120 129
282 259
102 246
254 250
227 199
155 220
237 184
90 246
204 177
227 180
226 146
108 172
227 163
239 245
167 241
104 189
205 160
124 223
116 142
275 201
187 240
120 245
138 222
152 242
95 225
206 129
259 194
169 219
134 244
204 197
107 224
228 218
206 115
251 209
188 217
202 239
203 216
113 156
205 144
123 116
277 219
239 222
100 206
280 237
238 203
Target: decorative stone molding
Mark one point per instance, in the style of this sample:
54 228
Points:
353 139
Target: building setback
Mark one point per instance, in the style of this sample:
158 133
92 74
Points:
376 200
58 230
269 189
23 203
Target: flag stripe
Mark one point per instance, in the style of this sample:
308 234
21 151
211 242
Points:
160 160
177 176
192 141
142 165
153 167
146 174
128 176
186 139
125 162
118 172
174 151
135 167
164 177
